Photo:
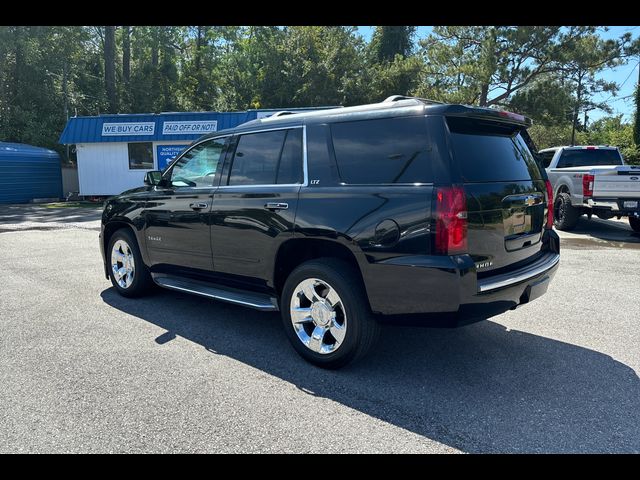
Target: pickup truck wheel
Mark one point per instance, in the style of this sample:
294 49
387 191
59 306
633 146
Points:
326 315
128 274
635 223
564 214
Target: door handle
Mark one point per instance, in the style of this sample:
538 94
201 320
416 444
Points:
276 206
198 206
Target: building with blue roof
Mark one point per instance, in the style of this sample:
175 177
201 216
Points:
115 151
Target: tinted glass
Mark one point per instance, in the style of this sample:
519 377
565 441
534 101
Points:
390 150
140 155
198 166
491 152
256 159
589 158
290 169
546 158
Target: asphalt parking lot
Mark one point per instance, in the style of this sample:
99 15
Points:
85 370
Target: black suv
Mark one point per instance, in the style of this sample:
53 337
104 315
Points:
341 217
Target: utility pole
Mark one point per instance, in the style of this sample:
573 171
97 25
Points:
636 126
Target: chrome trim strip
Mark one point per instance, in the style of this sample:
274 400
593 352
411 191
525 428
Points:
305 168
272 129
544 264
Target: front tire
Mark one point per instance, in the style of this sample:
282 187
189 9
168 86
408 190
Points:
635 223
326 314
128 273
565 215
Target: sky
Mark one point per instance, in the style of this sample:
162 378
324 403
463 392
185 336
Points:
626 75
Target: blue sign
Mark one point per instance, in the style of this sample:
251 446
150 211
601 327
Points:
129 128
165 153
189 128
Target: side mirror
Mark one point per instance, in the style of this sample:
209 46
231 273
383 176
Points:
153 178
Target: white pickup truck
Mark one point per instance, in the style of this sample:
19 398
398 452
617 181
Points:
591 180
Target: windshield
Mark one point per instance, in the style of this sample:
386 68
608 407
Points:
589 158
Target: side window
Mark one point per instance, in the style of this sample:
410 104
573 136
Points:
390 150
562 161
198 166
268 158
546 158
290 168
140 155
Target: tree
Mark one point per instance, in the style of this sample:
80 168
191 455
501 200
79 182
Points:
389 41
548 101
126 54
486 65
589 56
612 131
110 67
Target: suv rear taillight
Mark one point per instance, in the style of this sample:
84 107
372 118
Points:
549 205
451 221
587 185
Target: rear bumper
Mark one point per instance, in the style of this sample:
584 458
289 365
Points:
616 205
446 291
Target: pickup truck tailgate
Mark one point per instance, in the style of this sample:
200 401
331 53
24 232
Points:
617 182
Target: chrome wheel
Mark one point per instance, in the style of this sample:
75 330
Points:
318 316
122 264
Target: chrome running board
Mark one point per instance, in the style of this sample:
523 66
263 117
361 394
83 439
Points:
259 301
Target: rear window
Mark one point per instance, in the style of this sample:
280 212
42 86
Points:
589 158
382 151
491 152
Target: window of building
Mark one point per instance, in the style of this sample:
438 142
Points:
140 156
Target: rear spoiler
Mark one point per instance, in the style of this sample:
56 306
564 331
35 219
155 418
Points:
488 114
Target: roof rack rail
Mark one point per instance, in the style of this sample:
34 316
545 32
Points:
282 113
395 98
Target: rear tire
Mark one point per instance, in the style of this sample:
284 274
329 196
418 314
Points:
635 223
565 215
128 273
334 325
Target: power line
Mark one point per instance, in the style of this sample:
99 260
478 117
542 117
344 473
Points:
625 80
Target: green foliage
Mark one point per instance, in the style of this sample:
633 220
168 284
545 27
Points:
398 77
389 41
545 136
545 72
485 65
605 131
612 131
547 101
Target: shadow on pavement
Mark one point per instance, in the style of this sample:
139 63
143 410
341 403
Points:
15 214
604 233
481 388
